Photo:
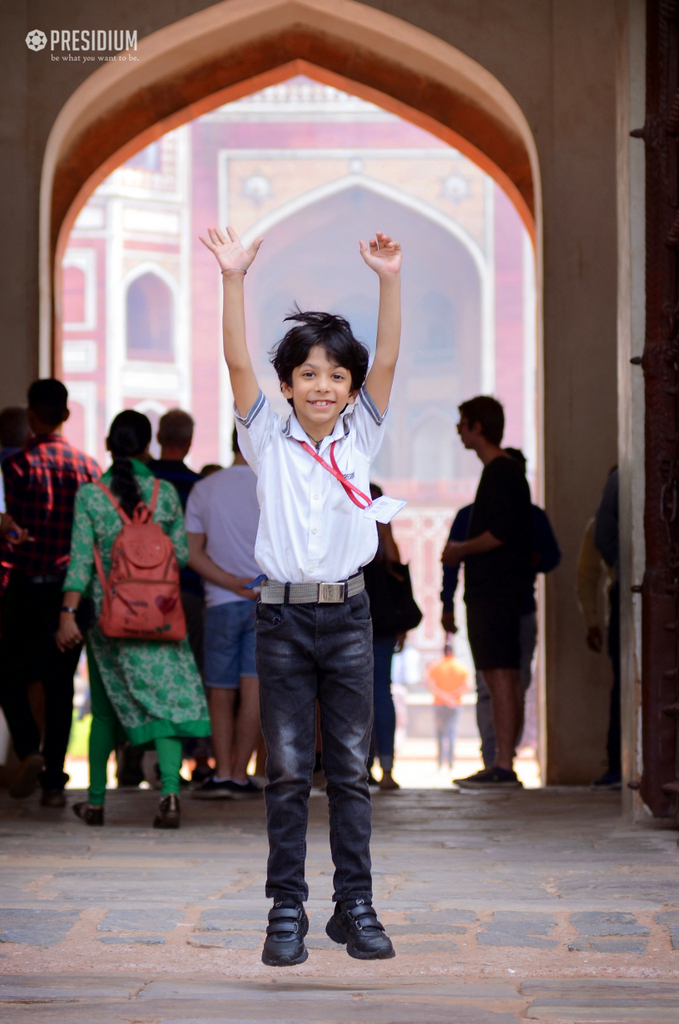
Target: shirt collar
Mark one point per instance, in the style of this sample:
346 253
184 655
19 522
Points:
45 439
293 429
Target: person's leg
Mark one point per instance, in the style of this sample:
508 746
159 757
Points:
344 655
194 613
222 658
169 750
384 710
440 725
222 704
21 628
484 720
247 727
103 732
506 691
451 732
288 688
58 683
528 636
614 728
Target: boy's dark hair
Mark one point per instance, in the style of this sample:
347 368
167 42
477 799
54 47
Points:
333 333
489 413
48 399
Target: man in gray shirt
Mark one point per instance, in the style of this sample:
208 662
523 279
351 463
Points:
222 516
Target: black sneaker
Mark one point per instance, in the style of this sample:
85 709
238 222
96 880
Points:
491 778
211 789
199 776
244 790
611 780
284 943
355 924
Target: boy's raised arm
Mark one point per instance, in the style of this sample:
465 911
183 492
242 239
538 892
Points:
383 255
234 261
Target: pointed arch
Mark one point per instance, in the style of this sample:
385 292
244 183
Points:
235 47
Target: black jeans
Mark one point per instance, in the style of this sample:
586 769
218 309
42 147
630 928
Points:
30 618
308 653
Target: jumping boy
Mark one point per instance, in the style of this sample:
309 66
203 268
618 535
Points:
313 631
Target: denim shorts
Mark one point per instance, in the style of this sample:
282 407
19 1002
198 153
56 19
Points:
229 648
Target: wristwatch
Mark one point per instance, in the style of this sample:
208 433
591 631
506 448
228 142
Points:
66 608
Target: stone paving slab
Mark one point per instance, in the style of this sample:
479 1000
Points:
509 928
36 927
608 933
157 919
671 919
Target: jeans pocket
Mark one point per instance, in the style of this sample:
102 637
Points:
268 615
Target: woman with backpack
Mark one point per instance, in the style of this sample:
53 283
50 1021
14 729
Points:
149 687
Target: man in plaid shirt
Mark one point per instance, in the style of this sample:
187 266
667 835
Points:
40 486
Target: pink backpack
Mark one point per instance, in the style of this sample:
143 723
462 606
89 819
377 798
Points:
142 599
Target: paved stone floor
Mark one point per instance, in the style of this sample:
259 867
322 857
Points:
540 905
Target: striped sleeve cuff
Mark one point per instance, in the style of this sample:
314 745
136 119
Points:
370 406
256 408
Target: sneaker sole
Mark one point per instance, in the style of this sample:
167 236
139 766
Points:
25 785
286 961
338 936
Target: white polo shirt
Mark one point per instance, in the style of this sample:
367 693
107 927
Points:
310 531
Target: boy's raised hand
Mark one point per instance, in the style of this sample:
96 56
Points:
382 254
229 251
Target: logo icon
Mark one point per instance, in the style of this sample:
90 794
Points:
36 40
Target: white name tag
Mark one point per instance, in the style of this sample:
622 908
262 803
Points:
384 509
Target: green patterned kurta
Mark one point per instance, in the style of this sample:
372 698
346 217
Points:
154 686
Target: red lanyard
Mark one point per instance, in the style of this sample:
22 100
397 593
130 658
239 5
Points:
336 472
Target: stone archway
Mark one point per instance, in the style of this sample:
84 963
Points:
235 47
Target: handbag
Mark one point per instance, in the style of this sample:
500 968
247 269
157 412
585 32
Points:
393 608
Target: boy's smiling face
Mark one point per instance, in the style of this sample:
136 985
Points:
320 390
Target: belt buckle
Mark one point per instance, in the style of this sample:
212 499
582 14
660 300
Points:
330 593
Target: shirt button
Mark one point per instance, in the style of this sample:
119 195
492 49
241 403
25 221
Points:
314 530
316 498
311 568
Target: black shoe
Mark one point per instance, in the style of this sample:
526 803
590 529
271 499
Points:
610 780
491 778
26 778
355 923
90 814
200 776
53 798
211 789
284 943
244 790
168 812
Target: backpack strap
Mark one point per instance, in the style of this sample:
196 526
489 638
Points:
100 567
116 504
154 498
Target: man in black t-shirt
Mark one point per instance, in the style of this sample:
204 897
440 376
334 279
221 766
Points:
497 564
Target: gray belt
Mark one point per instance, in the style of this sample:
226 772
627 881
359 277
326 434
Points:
311 593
